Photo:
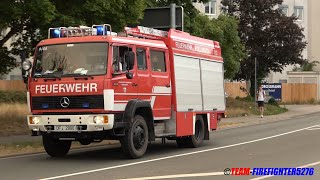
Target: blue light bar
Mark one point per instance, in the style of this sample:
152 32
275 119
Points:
54 33
100 30
94 30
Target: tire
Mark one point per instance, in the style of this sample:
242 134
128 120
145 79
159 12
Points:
134 144
85 141
54 147
196 140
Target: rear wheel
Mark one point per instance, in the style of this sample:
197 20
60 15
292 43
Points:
195 140
55 147
134 144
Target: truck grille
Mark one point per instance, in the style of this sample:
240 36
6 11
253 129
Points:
68 102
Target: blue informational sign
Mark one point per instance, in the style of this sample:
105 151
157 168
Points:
273 89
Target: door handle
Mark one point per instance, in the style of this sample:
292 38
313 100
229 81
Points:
168 85
134 84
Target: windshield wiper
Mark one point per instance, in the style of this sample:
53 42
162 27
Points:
78 76
82 76
51 77
38 75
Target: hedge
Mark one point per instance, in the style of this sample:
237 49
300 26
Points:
13 96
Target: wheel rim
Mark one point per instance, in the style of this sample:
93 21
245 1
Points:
198 131
138 137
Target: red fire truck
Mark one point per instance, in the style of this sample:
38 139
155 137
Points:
90 84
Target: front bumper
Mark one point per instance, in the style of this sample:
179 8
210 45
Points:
82 123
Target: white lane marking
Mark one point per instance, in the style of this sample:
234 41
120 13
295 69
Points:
178 176
303 166
315 128
174 156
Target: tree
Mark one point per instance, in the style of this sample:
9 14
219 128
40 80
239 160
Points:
28 20
306 66
18 20
224 29
270 36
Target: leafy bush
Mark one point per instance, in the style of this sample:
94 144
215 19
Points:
272 101
13 97
312 101
248 98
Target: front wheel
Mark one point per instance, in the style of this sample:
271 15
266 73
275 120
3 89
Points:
134 144
55 147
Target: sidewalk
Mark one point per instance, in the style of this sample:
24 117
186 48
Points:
293 111
226 123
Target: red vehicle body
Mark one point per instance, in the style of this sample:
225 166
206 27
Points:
130 97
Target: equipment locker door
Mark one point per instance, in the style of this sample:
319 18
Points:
161 85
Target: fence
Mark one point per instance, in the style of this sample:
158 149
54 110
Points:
291 93
299 93
12 85
235 89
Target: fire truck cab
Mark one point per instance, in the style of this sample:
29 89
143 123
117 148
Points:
90 84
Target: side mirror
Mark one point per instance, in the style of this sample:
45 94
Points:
129 75
130 59
26 65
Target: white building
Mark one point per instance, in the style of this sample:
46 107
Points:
300 8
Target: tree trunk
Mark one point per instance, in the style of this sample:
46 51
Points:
7 37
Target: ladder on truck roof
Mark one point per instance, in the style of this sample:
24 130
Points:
145 32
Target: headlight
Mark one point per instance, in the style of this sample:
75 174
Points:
34 120
26 65
100 119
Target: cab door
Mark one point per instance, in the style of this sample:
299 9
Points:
124 89
143 74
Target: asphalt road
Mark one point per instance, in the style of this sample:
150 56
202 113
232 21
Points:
289 143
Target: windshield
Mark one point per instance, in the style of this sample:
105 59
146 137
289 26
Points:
71 59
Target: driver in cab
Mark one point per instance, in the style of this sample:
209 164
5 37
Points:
157 64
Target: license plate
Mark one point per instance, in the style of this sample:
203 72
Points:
65 128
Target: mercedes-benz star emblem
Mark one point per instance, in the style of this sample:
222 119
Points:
64 102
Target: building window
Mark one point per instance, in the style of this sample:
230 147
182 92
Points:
284 9
283 81
211 7
298 12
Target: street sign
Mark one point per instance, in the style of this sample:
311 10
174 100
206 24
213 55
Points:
274 90
160 18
